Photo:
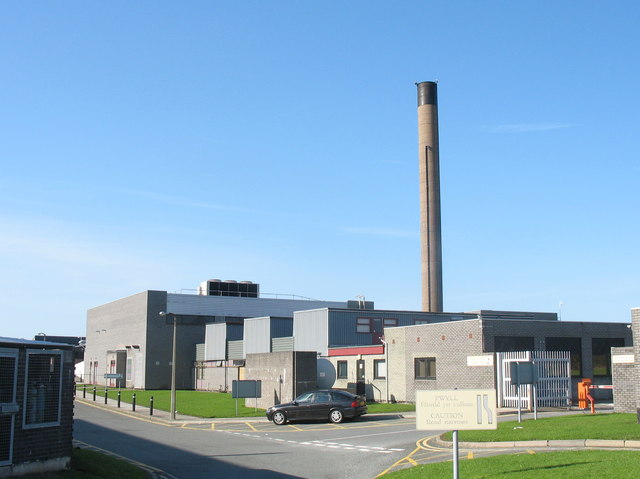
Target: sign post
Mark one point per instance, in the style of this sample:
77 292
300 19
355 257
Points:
524 372
456 409
248 388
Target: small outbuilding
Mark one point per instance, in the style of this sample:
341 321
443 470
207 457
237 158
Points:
36 406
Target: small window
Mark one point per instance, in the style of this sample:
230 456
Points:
420 321
322 396
425 368
363 325
343 371
601 349
43 389
574 346
505 344
379 369
390 323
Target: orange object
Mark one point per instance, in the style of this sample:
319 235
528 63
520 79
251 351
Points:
583 393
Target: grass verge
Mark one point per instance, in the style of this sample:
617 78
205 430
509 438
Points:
588 426
546 465
207 404
87 464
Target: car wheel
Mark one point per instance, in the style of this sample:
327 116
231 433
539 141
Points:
336 416
279 418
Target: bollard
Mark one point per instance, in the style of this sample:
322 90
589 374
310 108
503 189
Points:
151 406
133 402
118 398
106 391
84 391
94 393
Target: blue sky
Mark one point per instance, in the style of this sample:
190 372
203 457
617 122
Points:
153 145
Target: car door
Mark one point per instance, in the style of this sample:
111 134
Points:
302 407
322 405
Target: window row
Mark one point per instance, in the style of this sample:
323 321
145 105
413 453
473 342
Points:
424 368
379 369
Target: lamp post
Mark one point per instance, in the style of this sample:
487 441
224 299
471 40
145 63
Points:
172 412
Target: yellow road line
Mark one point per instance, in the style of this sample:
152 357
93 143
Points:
252 428
130 415
407 458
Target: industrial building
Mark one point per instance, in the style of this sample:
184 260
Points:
230 331
130 341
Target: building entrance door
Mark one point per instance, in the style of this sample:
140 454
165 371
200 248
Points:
360 375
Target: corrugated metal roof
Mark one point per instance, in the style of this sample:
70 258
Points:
34 344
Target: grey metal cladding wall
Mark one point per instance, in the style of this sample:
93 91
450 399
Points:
216 342
342 323
310 331
242 307
235 332
257 337
282 344
281 327
236 349
200 352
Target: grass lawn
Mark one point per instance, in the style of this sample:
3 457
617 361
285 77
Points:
587 426
551 465
86 464
208 404
192 403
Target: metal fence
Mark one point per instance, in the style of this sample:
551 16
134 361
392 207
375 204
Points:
553 387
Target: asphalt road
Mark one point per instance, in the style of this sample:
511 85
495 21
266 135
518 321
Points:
360 449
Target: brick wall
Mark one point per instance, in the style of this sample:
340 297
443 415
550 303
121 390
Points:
635 327
624 386
452 344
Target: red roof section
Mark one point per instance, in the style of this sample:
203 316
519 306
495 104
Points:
356 350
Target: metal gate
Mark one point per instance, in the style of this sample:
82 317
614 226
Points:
553 388
8 405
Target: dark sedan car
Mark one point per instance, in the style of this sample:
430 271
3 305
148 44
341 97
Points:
331 404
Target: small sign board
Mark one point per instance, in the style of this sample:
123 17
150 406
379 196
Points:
485 360
523 372
456 409
246 389
113 376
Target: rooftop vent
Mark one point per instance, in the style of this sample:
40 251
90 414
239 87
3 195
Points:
242 289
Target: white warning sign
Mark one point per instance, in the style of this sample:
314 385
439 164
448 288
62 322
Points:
456 409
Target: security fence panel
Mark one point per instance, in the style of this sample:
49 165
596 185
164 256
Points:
554 378
43 389
553 387
8 405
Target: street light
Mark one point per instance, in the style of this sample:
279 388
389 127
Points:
172 413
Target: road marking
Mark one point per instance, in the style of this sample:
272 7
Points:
376 434
252 428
